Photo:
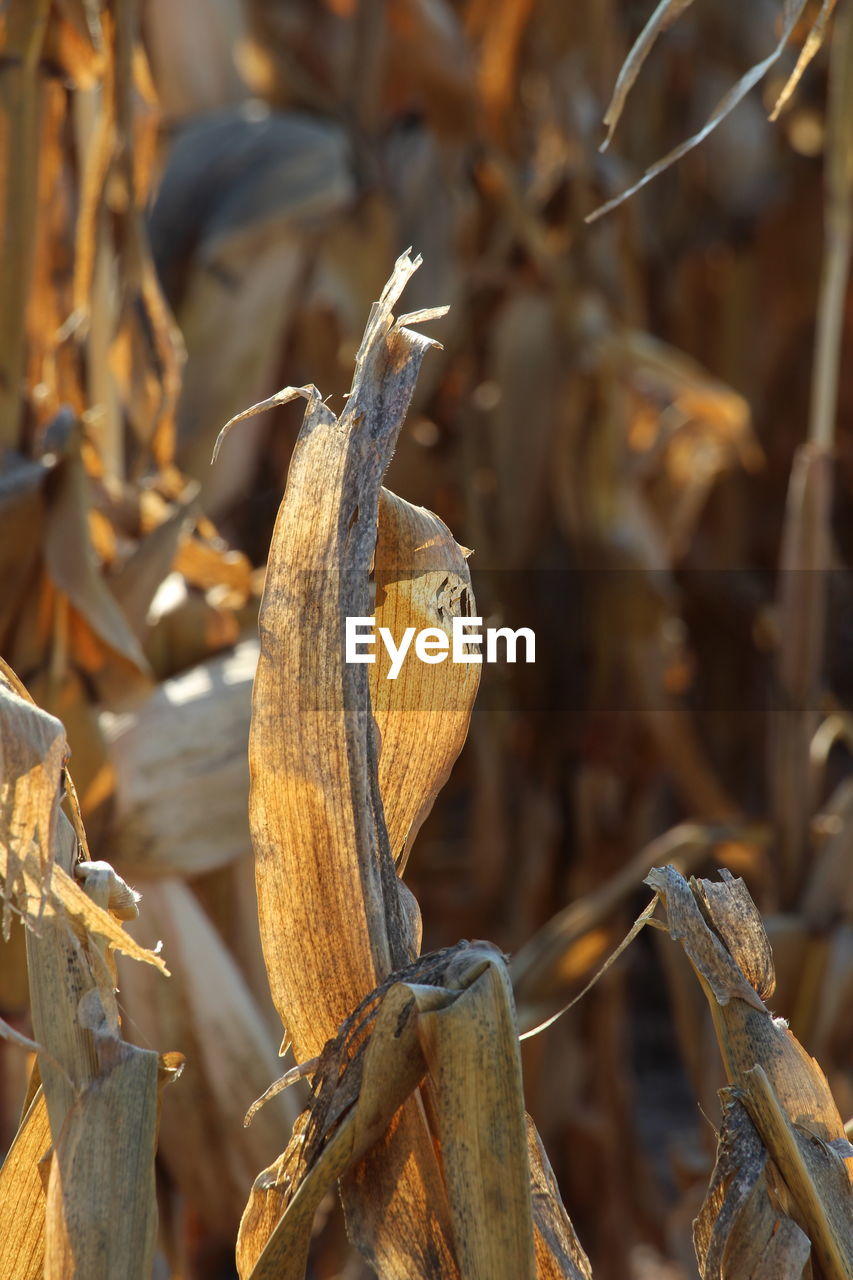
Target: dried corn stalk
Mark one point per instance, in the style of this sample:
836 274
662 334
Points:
781 1192
335 794
94 1213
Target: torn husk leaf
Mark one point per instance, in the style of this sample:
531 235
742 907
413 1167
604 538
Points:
100 1093
422 580
448 1014
22 1198
334 919
781 1087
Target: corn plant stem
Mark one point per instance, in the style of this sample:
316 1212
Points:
807 534
101 389
20 93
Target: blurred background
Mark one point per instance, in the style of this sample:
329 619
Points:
201 202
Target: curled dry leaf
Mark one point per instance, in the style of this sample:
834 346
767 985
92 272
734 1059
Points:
324 869
34 886
740 1229
182 777
780 1086
334 796
100 1093
334 918
547 971
422 580
792 11
449 1014
22 1203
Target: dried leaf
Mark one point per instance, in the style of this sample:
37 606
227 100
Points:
664 15
22 1200
324 866
813 42
782 1088
814 1172
792 10
72 566
732 913
100 1093
32 759
471 1049
740 1229
135 584
447 1011
182 776
559 1255
422 580
544 976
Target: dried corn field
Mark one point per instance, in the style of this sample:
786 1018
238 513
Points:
423 967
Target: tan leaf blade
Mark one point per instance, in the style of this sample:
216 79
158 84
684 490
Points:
22 1203
664 15
312 799
447 1011
32 758
813 42
101 1207
548 969
471 1049
332 917
325 1142
814 1172
783 1089
791 15
422 580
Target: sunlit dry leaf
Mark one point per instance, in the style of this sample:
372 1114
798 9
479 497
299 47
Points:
319 1153
135 584
100 1093
422 580
32 755
311 737
206 1012
22 1197
324 866
471 1049
101 1207
182 777
359 1086
72 566
813 42
782 1088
